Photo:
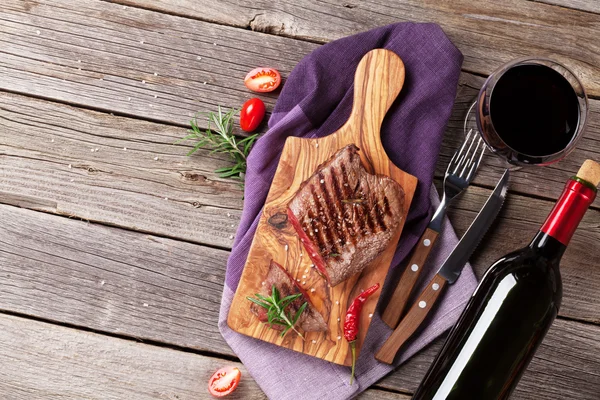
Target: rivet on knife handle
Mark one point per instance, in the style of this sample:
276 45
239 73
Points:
413 319
395 307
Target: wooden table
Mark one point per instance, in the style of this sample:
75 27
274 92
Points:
114 243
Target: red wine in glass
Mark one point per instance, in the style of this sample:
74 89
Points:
531 111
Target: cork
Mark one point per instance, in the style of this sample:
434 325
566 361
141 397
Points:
590 172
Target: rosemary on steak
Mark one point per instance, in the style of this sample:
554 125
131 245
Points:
219 137
276 309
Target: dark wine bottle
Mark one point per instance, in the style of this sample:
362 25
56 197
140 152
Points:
512 308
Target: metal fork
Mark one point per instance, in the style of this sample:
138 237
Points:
458 176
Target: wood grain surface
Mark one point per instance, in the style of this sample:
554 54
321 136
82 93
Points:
44 361
67 290
111 280
487 32
135 177
378 80
103 56
582 5
133 62
52 268
48 67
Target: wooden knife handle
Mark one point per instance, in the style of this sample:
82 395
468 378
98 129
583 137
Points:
397 304
413 319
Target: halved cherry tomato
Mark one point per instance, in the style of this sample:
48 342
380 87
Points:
252 113
262 80
224 381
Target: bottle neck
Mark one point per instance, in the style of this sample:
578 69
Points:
568 211
547 246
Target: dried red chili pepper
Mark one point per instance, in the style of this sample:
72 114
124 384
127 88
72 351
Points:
351 322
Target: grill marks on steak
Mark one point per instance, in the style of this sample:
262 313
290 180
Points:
345 217
310 320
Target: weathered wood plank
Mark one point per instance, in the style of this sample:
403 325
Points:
41 62
375 394
133 61
111 280
45 361
65 363
488 32
53 268
561 368
582 5
135 177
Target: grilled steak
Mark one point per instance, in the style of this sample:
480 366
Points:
345 217
310 320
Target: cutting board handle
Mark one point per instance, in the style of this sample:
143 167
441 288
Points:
378 80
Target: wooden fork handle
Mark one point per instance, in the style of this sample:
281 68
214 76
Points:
397 304
413 319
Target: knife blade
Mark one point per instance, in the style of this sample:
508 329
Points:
448 273
452 267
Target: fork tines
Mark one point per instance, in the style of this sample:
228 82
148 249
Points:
467 161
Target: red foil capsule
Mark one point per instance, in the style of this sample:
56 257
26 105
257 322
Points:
568 210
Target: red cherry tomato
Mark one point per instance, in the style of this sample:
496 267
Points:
224 381
252 113
262 80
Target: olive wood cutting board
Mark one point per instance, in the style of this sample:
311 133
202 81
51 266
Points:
378 80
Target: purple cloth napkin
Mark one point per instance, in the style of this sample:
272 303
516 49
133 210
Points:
315 101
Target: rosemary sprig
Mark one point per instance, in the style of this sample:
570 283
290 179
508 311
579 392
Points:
276 309
219 137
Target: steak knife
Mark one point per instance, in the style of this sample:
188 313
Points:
446 275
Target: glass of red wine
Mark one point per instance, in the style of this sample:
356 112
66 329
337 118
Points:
531 111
